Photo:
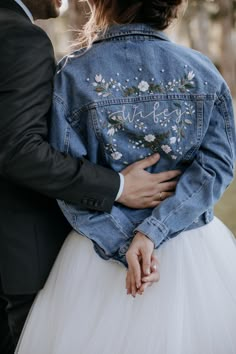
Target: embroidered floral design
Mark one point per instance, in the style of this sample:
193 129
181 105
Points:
166 148
102 87
143 86
116 155
111 131
171 124
172 121
106 88
173 140
191 75
98 78
115 123
150 142
183 123
149 138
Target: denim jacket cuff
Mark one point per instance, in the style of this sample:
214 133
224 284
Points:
155 230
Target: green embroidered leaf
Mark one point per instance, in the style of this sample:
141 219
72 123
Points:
177 104
99 89
189 85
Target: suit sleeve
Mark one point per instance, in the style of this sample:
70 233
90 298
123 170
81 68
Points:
26 158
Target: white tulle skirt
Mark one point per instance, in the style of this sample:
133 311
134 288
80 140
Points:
84 309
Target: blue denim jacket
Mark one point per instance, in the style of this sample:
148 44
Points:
132 94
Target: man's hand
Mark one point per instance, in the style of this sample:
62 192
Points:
142 265
146 190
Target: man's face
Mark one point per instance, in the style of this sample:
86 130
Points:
44 9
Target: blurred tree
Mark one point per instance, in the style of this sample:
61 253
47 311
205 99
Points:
228 62
201 18
197 18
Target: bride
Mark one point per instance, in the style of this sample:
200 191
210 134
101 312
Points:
130 93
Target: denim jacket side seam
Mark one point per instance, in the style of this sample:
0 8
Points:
98 133
204 183
200 105
66 130
222 107
60 100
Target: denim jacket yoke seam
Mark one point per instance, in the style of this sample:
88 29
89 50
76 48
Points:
156 97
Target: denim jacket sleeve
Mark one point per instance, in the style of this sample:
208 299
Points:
203 182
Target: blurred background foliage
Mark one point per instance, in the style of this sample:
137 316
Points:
207 25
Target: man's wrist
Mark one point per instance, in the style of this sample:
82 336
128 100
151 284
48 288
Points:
122 183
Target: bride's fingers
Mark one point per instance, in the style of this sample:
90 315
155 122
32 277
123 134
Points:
128 284
134 269
152 278
155 275
143 287
154 261
133 284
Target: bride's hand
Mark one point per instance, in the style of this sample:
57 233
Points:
146 281
152 278
139 258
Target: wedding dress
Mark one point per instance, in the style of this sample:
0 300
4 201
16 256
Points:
84 308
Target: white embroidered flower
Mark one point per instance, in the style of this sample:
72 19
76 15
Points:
191 75
188 121
143 86
166 148
111 131
116 155
98 78
173 157
174 127
173 140
149 138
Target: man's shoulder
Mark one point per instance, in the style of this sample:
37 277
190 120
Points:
21 44
13 24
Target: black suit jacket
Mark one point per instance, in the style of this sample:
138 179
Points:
32 173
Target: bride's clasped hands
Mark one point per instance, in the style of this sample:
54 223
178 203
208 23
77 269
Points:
142 265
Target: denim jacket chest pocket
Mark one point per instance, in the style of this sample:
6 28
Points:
130 129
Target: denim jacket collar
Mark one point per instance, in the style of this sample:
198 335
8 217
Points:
132 29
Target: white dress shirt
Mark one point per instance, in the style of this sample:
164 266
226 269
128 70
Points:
26 10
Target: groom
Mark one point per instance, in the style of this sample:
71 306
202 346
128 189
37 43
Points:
33 174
